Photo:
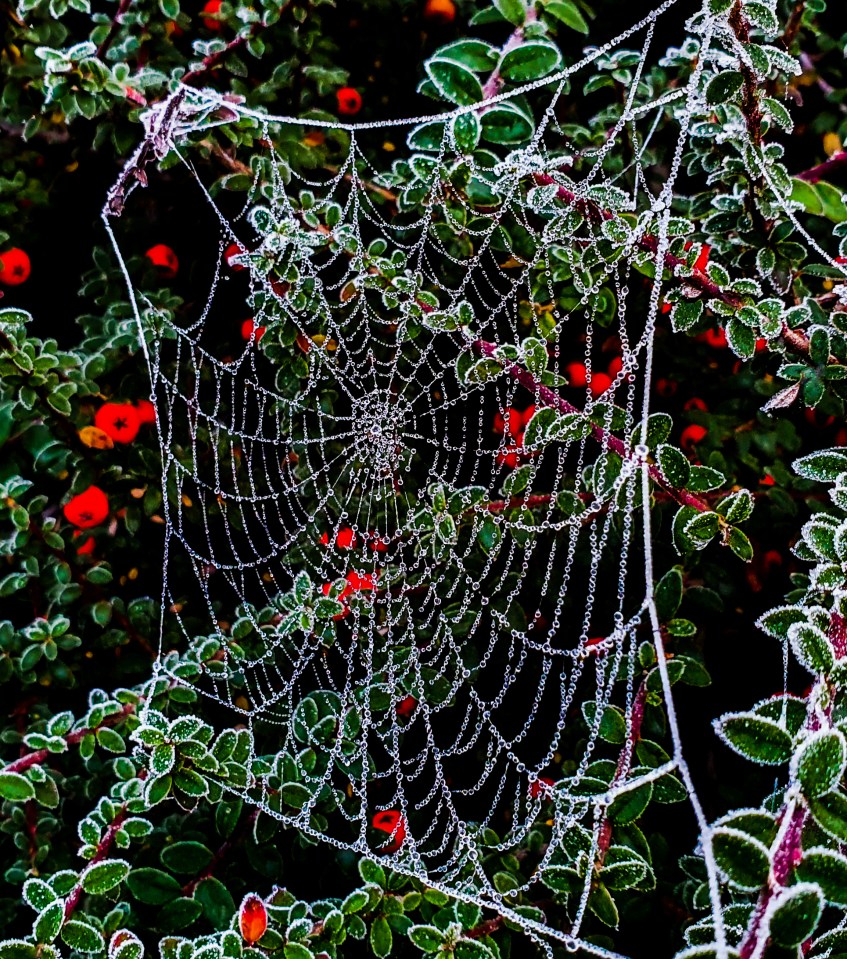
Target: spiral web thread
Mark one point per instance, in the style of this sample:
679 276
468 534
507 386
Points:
255 473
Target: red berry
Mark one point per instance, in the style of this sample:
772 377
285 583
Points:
715 338
406 706
349 101
767 480
212 7
88 508
600 382
702 260
146 411
345 538
231 251
14 267
440 11
576 375
119 421
666 388
250 331
771 559
695 403
615 367
691 436
390 822
252 919
164 259
86 548
541 788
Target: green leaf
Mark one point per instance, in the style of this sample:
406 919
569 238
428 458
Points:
454 82
756 738
723 87
811 647
601 903
830 812
427 938
152 886
15 787
612 725
819 762
49 922
741 858
296 950
568 12
82 937
512 10
828 870
628 806
381 938
531 60
824 466
796 914
740 544
466 130
217 902
669 594
186 857
777 621
685 314
103 876
673 464
371 871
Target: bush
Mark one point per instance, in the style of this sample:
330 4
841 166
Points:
431 575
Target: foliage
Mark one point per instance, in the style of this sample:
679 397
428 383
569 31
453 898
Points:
118 829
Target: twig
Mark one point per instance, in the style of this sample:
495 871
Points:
113 28
38 756
549 398
832 165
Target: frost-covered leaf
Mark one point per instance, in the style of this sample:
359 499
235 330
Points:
741 858
824 466
819 763
795 913
756 738
828 869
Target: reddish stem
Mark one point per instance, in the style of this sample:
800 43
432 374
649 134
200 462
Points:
38 756
549 398
103 849
833 165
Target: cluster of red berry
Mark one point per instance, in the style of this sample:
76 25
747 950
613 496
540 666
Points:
120 422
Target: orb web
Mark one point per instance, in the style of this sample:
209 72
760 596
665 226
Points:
418 547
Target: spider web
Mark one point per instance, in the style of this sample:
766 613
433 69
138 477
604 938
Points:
416 548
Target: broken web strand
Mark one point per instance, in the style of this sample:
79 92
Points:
598 545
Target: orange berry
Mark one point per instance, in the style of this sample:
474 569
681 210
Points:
252 919
119 421
15 267
349 101
440 11
164 259
212 7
